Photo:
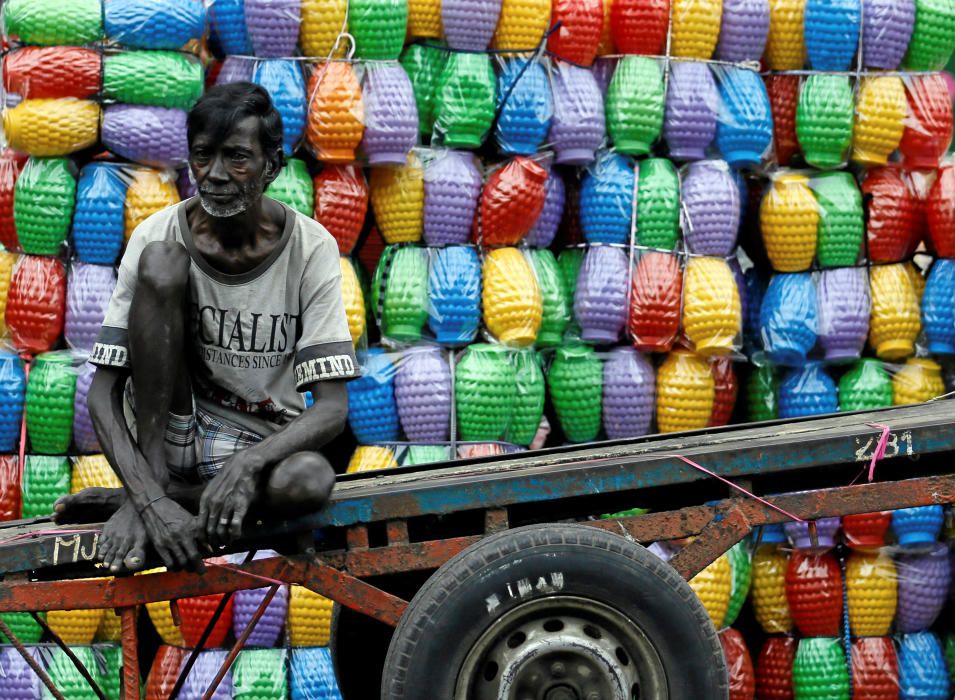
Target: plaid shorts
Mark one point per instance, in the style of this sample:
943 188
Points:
197 445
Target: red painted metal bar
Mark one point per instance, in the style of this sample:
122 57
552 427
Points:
240 643
130 653
31 662
84 594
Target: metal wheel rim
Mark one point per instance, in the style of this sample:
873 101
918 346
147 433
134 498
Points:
562 648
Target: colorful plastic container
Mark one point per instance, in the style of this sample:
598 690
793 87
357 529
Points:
930 46
871 593
774 668
556 303
629 387
928 123
469 24
744 29
841 224
579 124
511 298
454 294
600 300
485 390
710 208
293 187
809 391
424 64
762 394
783 91
465 100
639 27
581 26
814 593
886 29
713 586
397 198
923 583
379 28
335 120
44 199
865 386
789 318
530 397
635 105
879 119
391 114
685 393
940 212
922 672
512 199
45 479
712 315
917 526
522 24
606 200
824 116
372 412
149 191
544 231
452 186
153 136
575 383
524 105
656 302
895 322
744 130
50 23
423 394
820 671
401 293
938 308
831 30
658 205
844 309
784 45
917 381
98 221
695 28
691 110
893 215
341 202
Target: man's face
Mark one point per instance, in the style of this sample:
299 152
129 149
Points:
231 174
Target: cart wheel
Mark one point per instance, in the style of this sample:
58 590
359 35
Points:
555 612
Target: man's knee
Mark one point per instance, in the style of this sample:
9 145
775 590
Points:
303 480
164 268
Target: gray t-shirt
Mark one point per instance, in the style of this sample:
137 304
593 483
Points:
258 339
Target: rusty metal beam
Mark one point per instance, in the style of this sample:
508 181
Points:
130 643
87 594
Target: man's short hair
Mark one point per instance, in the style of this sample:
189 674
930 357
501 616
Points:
223 106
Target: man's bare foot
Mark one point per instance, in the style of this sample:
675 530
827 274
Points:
122 546
92 505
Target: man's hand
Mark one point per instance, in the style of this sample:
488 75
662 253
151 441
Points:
227 498
173 532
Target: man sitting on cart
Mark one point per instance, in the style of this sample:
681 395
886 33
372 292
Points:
227 308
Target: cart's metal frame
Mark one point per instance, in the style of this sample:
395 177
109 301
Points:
415 519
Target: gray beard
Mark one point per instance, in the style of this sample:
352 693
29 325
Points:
220 211
244 199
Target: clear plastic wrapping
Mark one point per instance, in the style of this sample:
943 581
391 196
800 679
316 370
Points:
142 24
606 200
525 106
635 105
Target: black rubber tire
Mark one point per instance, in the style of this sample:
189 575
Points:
449 614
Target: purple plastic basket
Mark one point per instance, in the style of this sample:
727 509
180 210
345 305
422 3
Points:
235 69
600 302
469 24
886 30
87 298
17 680
844 307
452 186
200 677
153 136
579 126
273 26
826 529
391 114
691 109
744 30
423 394
628 394
544 231
245 603
83 433
710 211
923 587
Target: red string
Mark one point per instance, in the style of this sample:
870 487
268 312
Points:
880 447
737 487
